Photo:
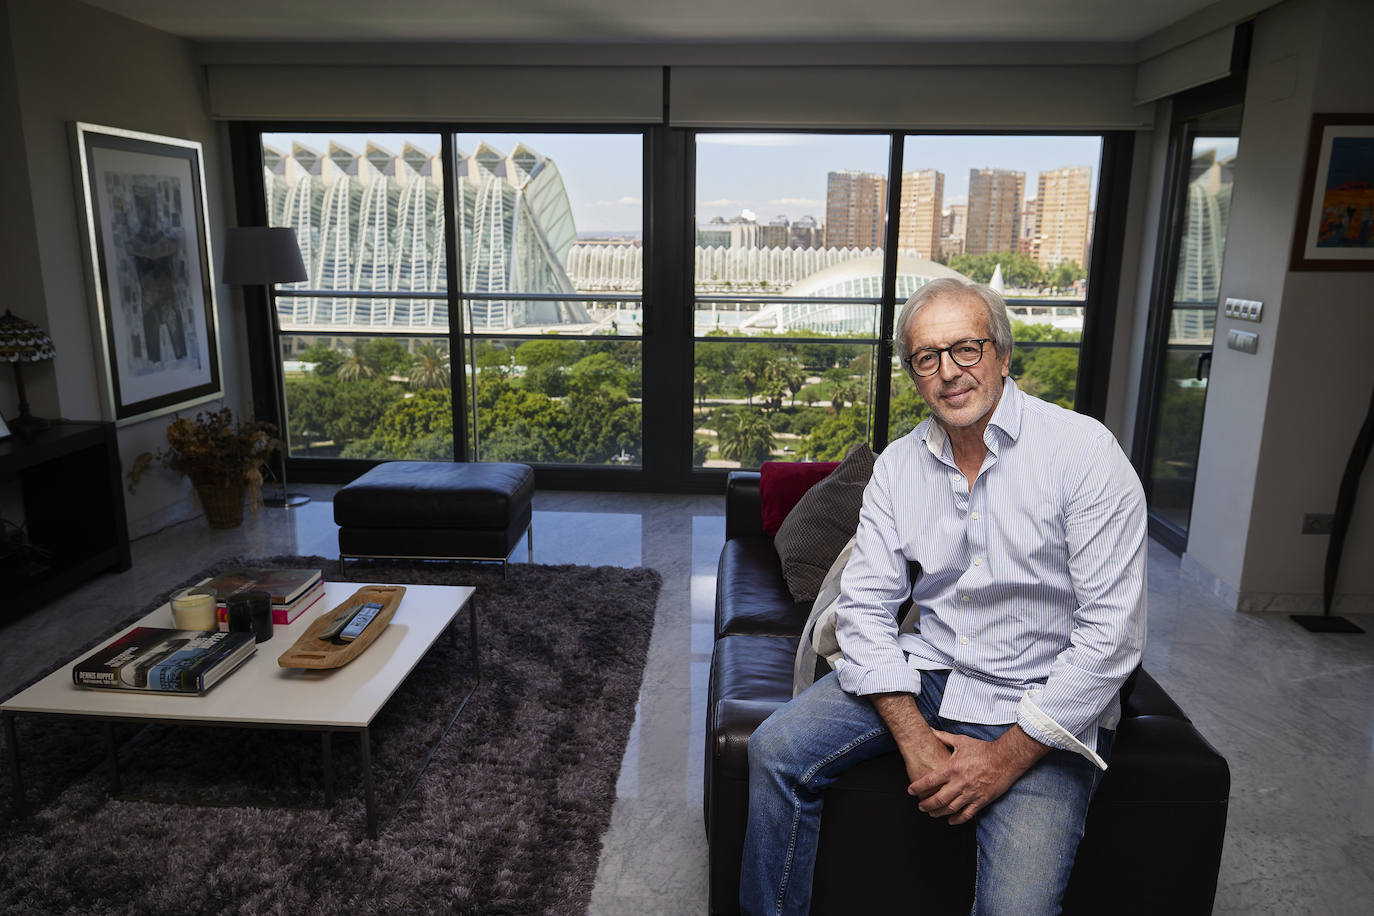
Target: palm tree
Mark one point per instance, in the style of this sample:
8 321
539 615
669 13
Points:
796 381
431 367
747 437
847 391
702 382
750 378
355 368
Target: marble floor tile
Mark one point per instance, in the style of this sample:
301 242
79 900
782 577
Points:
1292 711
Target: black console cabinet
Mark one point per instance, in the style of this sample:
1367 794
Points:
73 497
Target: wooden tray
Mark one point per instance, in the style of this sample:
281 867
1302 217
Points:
312 652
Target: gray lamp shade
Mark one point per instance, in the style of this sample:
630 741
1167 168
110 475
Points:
262 256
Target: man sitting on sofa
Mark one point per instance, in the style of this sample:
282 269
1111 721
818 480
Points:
1028 525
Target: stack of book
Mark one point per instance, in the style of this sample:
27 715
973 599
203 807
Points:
293 590
165 661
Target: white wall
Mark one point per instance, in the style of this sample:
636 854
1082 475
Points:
72 62
1279 425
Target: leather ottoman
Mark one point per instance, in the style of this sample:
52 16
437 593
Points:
435 511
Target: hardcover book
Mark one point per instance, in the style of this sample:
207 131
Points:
285 585
282 614
161 660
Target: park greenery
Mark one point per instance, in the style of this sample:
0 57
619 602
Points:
1019 271
551 400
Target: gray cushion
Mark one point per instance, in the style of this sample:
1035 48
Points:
822 521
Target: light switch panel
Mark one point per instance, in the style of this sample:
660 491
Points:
1243 309
1244 341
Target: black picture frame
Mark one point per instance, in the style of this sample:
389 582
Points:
150 273
1335 228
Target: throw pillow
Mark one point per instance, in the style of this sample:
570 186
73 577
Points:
782 483
824 518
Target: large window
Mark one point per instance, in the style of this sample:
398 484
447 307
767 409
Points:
537 296
1013 211
552 235
787 292
550 230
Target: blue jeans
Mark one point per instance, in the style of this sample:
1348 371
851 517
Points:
1026 838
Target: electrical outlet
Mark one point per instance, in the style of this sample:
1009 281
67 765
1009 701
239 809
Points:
1317 523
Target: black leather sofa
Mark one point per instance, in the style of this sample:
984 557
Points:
1155 828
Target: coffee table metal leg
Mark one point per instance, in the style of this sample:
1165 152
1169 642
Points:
365 739
327 761
472 640
113 758
12 739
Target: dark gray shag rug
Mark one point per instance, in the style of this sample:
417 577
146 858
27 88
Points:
507 818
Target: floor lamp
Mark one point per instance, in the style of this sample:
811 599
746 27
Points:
265 256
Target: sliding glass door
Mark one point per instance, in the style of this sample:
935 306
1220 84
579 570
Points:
1184 310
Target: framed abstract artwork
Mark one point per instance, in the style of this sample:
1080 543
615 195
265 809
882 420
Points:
150 272
1335 228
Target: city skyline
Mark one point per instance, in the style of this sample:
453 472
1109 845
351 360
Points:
771 174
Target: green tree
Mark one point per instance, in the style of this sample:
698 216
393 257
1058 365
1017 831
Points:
359 407
701 381
387 357
1018 270
745 436
323 357
598 372
906 408
750 380
833 436
430 369
546 378
355 367
701 450
547 351
1064 274
422 416
491 359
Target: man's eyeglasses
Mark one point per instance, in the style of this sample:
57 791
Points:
965 353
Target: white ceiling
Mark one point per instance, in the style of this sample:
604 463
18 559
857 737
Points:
656 20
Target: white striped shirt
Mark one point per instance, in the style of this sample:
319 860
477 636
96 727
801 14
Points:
1031 587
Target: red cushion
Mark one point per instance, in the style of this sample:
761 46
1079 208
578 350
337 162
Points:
782 483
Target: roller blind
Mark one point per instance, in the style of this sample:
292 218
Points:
1081 97
436 93
1196 63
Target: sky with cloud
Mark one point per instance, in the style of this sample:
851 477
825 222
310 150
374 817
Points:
770 174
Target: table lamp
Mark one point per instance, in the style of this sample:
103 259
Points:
265 256
24 342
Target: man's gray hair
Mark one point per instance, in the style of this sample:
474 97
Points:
999 324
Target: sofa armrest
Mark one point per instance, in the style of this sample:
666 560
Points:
743 505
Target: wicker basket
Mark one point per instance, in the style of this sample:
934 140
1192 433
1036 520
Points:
223 505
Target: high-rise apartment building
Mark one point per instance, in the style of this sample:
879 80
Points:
776 233
954 224
855 209
1030 227
1062 206
994 210
922 209
804 233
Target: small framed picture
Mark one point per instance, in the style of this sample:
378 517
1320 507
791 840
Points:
149 265
1335 228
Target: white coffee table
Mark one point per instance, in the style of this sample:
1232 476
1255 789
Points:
261 694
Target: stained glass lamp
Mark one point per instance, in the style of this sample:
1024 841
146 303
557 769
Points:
24 342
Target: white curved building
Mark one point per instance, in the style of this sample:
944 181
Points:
375 221
861 277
